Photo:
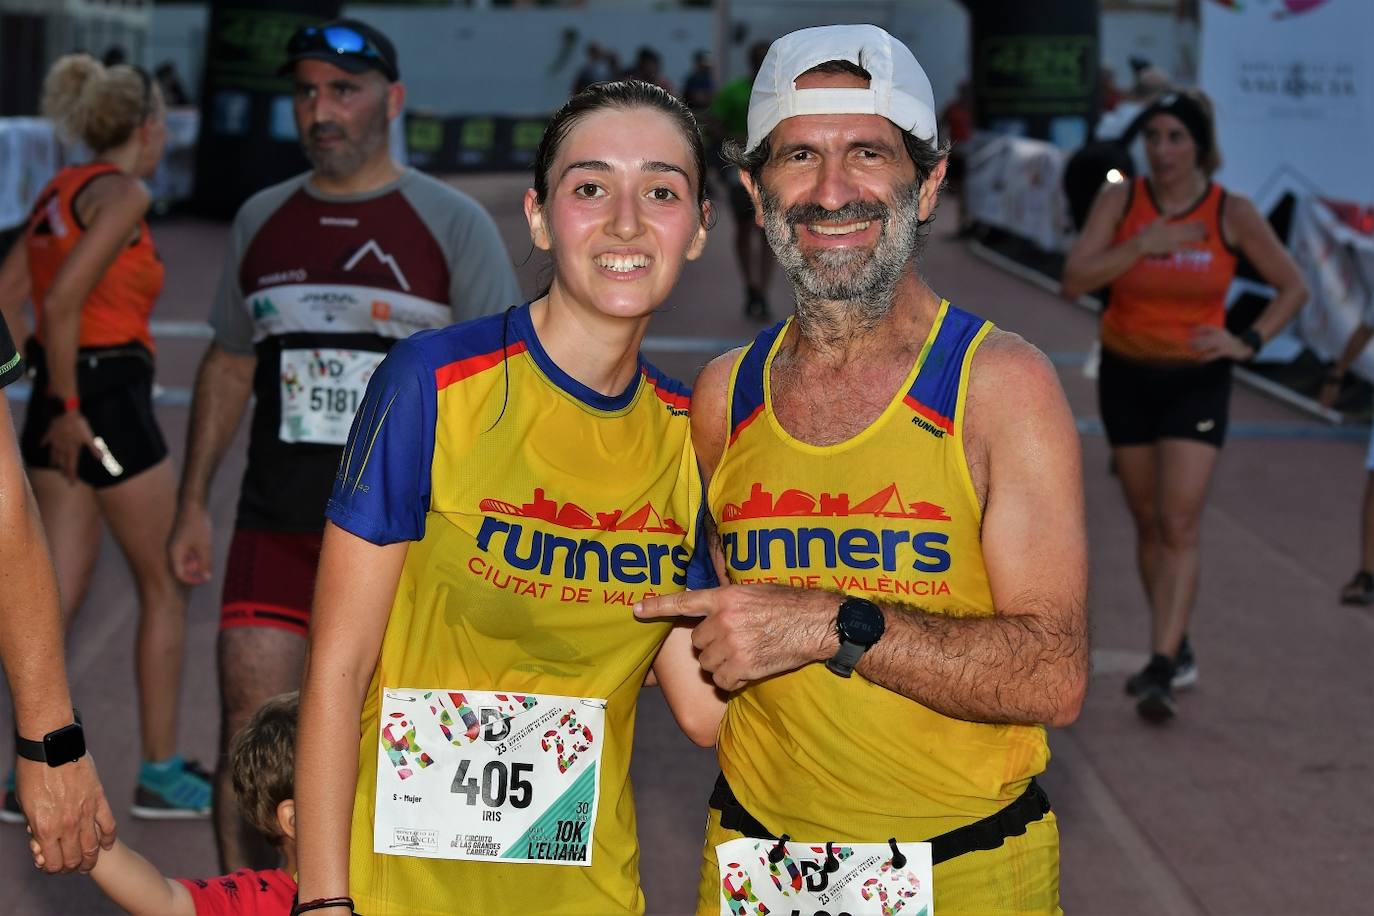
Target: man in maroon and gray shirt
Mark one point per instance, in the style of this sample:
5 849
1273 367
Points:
324 273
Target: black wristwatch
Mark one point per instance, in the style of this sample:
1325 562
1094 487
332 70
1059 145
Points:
1252 339
64 745
860 625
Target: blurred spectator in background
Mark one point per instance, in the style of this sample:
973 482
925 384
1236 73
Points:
1150 83
169 81
699 86
649 68
114 56
728 119
596 69
1121 123
956 128
1360 588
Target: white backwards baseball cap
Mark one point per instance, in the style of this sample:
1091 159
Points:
898 90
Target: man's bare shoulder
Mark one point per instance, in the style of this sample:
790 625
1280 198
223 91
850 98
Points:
709 412
1004 351
714 378
1010 378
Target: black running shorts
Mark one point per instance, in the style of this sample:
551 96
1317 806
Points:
115 385
1141 404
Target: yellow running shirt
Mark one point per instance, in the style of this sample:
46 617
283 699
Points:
890 515
538 512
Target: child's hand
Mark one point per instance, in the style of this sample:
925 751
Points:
36 849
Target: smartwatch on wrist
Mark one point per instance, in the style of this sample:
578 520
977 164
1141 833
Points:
1252 339
62 406
860 625
64 745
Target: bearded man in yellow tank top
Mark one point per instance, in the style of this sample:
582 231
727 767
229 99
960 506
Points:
897 490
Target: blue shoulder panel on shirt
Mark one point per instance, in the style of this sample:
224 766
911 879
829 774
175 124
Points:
746 400
669 390
476 338
935 393
701 572
381 491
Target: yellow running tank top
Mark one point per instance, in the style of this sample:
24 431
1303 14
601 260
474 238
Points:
890 515
538 511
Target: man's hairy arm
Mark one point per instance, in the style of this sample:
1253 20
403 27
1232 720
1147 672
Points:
1025 664
1029 663
223 386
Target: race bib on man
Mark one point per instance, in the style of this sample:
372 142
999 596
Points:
867 882
321 391
483 776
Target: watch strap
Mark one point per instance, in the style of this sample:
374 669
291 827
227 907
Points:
29 750
843 661
1252 339
34 750
62 406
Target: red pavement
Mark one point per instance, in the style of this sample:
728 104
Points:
1258 799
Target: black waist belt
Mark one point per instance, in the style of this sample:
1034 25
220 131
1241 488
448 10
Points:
988 833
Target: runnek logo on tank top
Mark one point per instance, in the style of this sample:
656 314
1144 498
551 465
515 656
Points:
1190 259
515 539
883 558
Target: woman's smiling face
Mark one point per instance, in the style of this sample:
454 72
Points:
621 217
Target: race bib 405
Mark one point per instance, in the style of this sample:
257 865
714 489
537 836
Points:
484 776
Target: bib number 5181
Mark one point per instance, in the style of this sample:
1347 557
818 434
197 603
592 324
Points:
500 782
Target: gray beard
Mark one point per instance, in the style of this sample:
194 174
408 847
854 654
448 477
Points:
863 281
343 162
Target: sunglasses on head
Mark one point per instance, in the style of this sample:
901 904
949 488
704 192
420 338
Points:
339 39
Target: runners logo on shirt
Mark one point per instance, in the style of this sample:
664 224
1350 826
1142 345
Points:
520 551
776 553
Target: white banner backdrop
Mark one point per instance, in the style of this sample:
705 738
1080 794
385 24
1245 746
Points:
1339 265
31 154
1016 184
1293 85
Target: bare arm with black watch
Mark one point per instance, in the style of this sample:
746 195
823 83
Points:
859 625
56 782
63 745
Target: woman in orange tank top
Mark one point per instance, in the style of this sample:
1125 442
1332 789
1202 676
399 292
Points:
90 440
1168 246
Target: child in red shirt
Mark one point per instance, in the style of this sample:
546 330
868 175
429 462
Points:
262 759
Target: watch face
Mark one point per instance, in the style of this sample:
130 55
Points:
64 745
860 621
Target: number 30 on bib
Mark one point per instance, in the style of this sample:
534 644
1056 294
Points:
488 776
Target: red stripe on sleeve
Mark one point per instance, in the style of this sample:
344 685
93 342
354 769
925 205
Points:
671 398
466 368
745 422
939 420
